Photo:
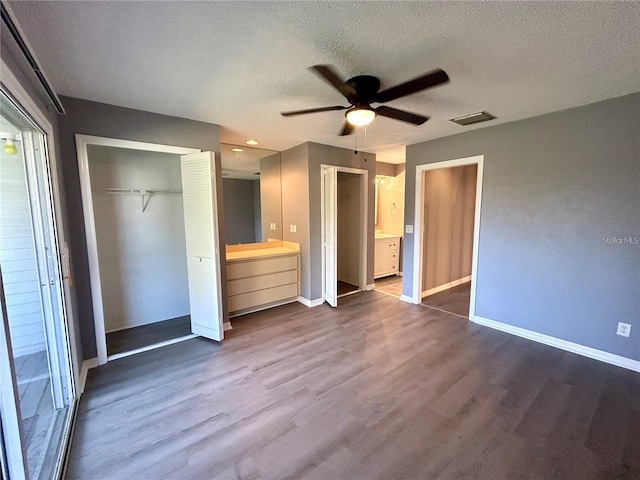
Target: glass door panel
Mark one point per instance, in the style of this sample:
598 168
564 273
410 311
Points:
32 286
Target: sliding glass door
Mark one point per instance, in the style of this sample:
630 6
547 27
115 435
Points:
36 381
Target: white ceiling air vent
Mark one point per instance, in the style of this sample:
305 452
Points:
473 118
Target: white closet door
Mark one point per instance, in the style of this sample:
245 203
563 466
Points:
329 194
203 253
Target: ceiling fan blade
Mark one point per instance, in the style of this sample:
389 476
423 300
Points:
326 72
431 79
347 129
401 115
313 110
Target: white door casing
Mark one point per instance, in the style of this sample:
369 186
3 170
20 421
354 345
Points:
82 143
203 251
418 237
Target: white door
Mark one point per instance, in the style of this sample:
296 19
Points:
203 252
329 240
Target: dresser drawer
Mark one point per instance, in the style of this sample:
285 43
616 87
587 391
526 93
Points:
261 282
261 267
262 297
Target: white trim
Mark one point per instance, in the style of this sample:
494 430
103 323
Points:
370 286
226 326
417 226
310 303
589 352
151 347
406 298
86 366
446 286
364 201
82 141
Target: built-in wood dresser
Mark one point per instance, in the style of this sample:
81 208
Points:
261 275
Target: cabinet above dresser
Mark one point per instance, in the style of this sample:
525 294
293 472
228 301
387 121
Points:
262 275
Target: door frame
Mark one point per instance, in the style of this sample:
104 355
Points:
364 213
82 143
418 237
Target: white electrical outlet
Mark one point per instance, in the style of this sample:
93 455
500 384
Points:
273 226
408 229
624 329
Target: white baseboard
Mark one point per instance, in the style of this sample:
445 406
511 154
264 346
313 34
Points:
406 298
86 365
310 303
589 352
226 326
371 286
446 286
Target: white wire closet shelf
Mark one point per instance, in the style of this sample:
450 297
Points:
145 194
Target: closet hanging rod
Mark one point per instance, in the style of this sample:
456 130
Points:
134 191
145 195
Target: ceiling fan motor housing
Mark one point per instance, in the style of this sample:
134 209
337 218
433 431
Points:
366 87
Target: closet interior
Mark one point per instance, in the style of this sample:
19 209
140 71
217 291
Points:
140 232
349 211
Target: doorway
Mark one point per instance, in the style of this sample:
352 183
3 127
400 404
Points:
448 202
149 257
344 231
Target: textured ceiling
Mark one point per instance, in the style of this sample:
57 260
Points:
238 64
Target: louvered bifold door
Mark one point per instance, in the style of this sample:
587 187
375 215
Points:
203 253
329 192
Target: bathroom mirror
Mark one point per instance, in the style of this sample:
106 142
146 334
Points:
251 188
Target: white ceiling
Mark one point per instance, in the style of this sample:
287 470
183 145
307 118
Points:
238 64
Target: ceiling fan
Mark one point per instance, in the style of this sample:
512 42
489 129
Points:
362 91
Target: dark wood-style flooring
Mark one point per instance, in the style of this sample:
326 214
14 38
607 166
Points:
375 389
345 287
145 335
454 300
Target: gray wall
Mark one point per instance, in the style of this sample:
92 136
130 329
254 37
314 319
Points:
553 187
239 210
295 208
92 118
325 154
302 205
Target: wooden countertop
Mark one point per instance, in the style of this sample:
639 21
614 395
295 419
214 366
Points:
261 250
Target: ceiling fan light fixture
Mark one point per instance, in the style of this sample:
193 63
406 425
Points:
359 116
